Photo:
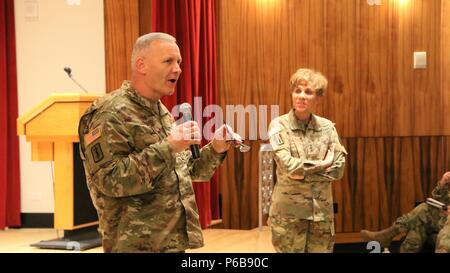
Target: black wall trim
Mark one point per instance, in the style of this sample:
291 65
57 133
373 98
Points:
84 211
36 220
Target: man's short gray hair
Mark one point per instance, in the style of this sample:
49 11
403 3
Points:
146 40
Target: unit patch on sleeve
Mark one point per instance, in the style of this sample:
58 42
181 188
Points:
97 153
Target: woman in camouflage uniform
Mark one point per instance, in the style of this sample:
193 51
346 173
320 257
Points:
309 156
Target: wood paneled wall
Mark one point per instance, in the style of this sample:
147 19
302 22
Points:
125 21
391 117
386 177
445 64
366 52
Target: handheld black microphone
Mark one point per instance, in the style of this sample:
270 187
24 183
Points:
185 109
68 70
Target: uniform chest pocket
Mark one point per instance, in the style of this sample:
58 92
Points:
317 146
167 123
295 145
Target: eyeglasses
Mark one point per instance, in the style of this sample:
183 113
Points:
243 148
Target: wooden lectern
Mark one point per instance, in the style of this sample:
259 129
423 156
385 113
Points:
52 129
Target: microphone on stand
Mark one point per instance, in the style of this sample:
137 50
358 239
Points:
68 70
186 110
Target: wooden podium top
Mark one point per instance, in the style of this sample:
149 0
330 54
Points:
56 118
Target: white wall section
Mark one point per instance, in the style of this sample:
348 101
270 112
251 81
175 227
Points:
50 35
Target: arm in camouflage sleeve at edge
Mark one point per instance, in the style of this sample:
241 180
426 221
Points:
122 171
292 165
441 194
204 167
336 170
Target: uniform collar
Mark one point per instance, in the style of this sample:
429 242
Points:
300 125
153 106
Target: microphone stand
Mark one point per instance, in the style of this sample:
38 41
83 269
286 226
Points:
68 70
84 89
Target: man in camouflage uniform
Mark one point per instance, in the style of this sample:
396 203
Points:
139 171
419 223
443 238
309 156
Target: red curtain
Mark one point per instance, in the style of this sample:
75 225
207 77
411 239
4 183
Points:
9 141
192 22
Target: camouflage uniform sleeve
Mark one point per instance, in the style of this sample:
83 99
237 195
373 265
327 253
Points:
443 239
336 170
203 168
115 168
441 194
293 166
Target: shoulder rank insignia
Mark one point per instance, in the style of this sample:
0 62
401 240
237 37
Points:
278 139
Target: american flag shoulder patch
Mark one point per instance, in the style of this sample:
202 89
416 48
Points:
92 136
